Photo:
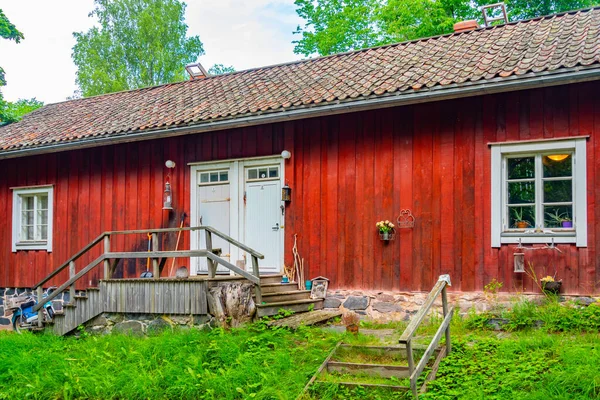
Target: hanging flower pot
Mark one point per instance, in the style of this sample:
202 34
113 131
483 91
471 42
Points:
549 285
386 230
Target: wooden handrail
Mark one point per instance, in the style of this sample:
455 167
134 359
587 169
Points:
73 258
154 254
416 321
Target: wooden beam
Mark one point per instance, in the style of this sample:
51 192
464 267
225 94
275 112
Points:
418 318
72 287
380 370
233 242
107 272
157 254
155 269
235 269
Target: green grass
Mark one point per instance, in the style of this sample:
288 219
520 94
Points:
559 361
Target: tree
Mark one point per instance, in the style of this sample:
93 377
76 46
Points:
220 69
10 32
14 111
139 43
334 26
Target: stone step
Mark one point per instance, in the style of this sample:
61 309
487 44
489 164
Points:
278 287
276 297
265 279
297 306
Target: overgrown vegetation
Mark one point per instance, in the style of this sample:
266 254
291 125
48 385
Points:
558 360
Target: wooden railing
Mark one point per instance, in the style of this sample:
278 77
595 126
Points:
110 259
411 329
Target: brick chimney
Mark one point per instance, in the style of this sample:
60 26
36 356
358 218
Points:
196 71
465 26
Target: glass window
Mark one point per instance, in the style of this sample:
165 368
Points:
32 218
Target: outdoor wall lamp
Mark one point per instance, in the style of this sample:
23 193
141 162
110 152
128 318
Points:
167 197
286 155
286 193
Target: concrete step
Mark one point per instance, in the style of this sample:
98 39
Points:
297 306
277 297
265 279
278 287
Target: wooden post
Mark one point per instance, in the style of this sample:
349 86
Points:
107 271
256 272
40 295
155 267
72 287
445 309
411 368
212 268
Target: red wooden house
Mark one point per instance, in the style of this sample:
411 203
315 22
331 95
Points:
490 137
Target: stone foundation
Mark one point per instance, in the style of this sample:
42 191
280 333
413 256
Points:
142 324
393 306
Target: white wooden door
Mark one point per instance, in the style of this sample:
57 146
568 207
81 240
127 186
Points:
263 222
213 202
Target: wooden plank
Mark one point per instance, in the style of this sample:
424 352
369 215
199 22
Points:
235 269
305 319
420 315
379 370
320 370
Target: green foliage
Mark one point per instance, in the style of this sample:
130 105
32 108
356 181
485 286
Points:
220 69
14 111
139 43
10 32
335 26
493 287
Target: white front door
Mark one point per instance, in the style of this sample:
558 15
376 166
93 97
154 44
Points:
213 204
241 198
263 222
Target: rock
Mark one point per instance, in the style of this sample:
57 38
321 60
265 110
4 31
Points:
182 272
202 319
5 321
331 302
179 320
2 292
385 307
129 327
584 301
137 317
158 325
115 318
497 324
9 292
98 321
356 303
57 304
385 297
361 312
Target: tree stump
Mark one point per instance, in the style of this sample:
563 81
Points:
231 303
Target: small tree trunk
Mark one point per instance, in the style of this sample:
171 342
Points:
231 303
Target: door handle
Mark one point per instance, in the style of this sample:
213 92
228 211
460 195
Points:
276 227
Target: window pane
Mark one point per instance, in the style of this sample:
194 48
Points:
558 217
42 217
27 203
558 191
223 176
273 172
203 178
214 177
557 165
521 217
521 168
43 202
44 232
252 174
262 173
27 218
521 192
27 232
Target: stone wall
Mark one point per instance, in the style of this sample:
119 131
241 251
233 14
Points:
393 306
142 324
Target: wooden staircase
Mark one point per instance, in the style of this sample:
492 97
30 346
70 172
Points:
78 312
278 296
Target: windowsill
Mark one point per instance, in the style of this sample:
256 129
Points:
32 245
521 237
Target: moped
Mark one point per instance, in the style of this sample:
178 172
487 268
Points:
23 316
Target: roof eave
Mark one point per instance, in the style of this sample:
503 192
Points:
437 93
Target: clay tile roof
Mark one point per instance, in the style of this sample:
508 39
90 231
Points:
539 45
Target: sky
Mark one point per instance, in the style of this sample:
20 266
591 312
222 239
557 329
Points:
242 33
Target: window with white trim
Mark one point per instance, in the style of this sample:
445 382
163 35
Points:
32 218
539 192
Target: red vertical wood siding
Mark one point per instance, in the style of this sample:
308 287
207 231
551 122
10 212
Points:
346 172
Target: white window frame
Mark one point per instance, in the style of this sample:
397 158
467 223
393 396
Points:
17 243
500 152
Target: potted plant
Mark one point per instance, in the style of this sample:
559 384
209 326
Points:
550 285
518 216
386 230
351 320
563 220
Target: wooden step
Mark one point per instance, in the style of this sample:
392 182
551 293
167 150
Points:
297 306
278 287
275 278
80 297
97 289
277 297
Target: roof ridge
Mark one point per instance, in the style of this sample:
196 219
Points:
330 56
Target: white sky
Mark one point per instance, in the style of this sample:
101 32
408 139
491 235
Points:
244 34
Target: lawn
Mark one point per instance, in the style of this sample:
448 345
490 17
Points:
262 363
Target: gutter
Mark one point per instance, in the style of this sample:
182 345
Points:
438 93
